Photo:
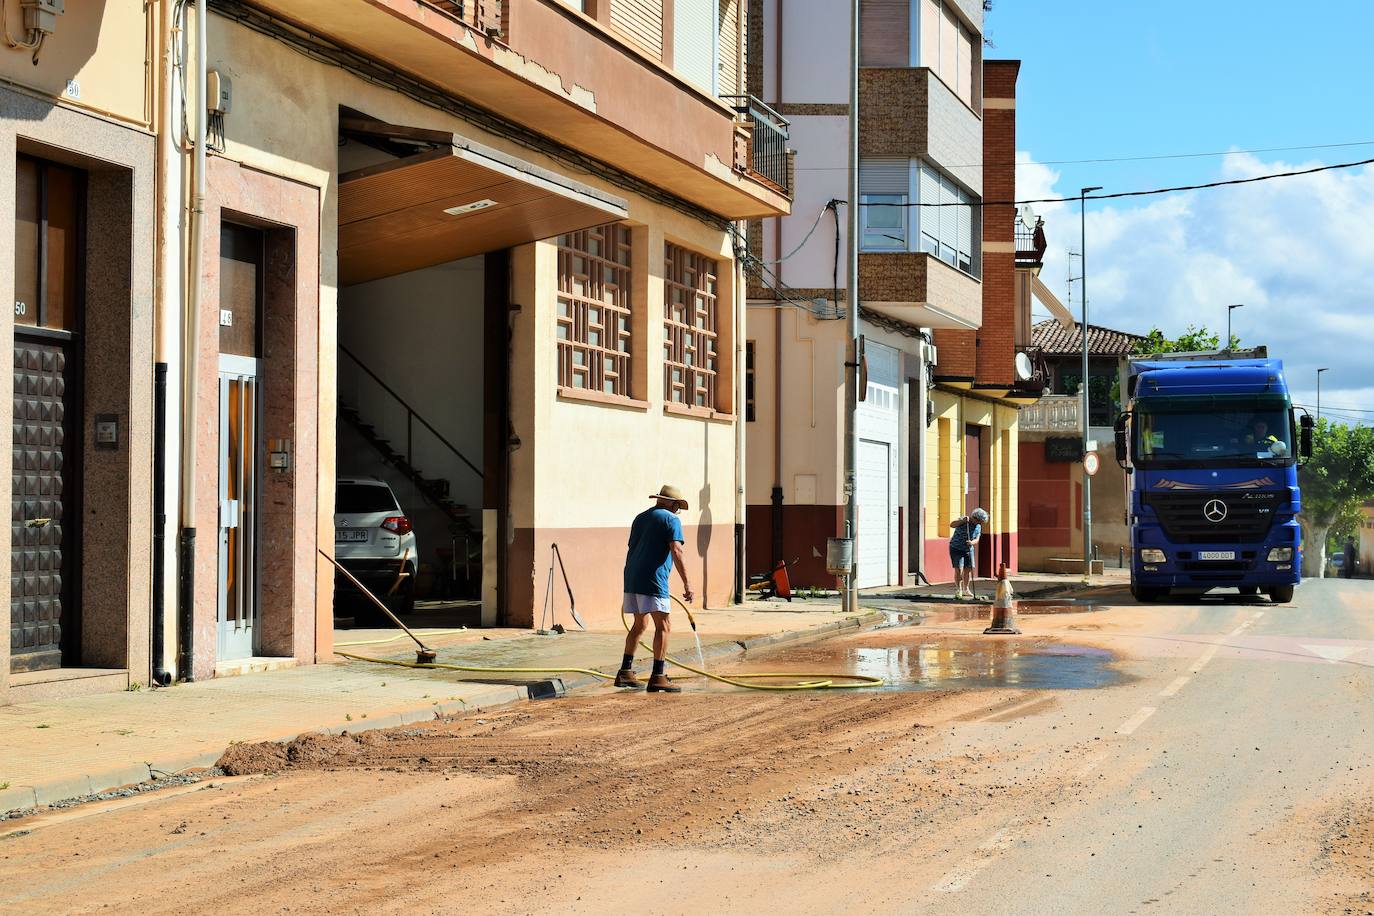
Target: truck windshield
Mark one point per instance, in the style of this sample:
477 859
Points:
1209 431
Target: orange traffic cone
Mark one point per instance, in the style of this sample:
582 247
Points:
1004 608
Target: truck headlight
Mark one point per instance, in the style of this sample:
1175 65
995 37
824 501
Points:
1281 555
1150 555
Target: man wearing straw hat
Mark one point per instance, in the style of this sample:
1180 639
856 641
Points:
655 548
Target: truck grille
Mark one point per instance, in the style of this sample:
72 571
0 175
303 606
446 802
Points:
1192 517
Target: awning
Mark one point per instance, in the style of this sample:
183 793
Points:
454 201
1051 302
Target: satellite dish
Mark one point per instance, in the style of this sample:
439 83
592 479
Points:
1027 215
1024 370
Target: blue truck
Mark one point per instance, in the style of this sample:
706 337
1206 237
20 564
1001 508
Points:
1211 446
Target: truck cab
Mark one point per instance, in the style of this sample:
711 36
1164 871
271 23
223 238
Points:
1211 445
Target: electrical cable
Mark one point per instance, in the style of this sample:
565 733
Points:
1148 193
1108 159
832 204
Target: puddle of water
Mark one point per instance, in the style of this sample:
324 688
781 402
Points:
1030 608
951 663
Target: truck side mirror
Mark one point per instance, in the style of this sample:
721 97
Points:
1121 446
1306 436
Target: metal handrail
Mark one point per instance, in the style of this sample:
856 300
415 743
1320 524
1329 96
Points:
767 140
411 415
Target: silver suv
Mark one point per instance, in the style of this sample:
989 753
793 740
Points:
375 541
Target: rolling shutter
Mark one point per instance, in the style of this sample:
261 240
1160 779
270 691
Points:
883 176
694 42
730 82
641 22
883 28
930 195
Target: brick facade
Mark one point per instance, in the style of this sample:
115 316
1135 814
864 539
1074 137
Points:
996 349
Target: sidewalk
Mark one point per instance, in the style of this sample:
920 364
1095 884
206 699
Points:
69 748
1025 585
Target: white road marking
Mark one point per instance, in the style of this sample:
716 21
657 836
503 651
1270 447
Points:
1092 763
1333 654
1204 659
1175 687
1135 721
961 876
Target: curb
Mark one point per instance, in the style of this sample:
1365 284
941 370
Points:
22 797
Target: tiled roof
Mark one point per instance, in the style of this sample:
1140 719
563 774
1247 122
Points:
1053 338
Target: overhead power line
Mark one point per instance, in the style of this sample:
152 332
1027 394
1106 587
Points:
1107 159
1153 191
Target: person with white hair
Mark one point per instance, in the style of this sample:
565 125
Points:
963 541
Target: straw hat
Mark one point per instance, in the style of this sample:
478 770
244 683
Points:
673 493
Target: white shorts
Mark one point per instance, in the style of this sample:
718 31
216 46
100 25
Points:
645 604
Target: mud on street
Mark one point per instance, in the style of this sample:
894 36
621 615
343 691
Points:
714 800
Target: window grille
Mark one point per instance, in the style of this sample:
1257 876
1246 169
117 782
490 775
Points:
594 303
691 360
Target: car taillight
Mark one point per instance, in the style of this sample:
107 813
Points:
397 523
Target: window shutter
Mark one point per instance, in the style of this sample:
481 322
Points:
883 28
883 176
694 36
949 216
965 238
930 195
641 21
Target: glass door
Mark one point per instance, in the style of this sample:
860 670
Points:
239 412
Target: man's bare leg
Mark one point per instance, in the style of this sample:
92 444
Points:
658 682
626 677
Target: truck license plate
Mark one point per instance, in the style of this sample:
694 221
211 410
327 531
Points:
350 534
1216 554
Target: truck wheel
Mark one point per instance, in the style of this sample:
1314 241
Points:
1147 594
1248 589
1281 594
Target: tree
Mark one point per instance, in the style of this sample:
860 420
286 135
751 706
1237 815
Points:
1191 340
1339 476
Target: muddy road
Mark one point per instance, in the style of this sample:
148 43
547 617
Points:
1208 758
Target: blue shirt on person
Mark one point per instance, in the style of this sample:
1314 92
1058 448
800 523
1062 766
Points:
650 557
964 536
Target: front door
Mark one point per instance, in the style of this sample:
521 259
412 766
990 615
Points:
239 423
44 514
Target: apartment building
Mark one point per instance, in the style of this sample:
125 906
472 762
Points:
485 251
939 289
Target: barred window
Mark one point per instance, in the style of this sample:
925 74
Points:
690 315
594 289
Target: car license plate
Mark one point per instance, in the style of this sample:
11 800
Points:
350 534
1216 554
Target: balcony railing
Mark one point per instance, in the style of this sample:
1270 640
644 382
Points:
765 146
1056 413
1030 242
484 15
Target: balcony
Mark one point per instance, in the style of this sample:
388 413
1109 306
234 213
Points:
920 289
1030 243
1037 379
908 112
548 70
763 154
1057 413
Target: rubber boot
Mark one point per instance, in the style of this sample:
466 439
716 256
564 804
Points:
659 683
626 678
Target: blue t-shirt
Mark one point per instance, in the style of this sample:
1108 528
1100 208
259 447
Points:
964 536
650 557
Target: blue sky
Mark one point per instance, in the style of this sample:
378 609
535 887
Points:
1115 78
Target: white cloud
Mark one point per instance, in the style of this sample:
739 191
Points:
1298 252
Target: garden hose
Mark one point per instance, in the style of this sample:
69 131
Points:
805 681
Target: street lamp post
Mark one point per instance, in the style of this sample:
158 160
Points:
1319 394
852 374
1087 404
1229 310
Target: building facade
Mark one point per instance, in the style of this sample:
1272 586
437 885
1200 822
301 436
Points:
484 251
934 264
1051 468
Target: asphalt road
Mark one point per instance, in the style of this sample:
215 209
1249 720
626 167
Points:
1228 772
1221 762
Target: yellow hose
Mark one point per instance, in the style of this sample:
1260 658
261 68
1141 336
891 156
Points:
805 681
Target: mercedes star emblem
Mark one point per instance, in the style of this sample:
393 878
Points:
1214 511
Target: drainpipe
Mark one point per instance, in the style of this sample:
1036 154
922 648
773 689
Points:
160 49
740 418
189 361
775 517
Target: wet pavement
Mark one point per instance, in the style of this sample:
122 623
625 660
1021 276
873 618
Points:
907 659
